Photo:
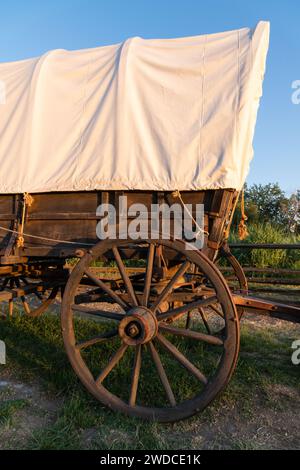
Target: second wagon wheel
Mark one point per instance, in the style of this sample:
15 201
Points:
26 295
130 343
238 272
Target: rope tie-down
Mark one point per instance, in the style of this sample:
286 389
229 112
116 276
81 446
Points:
27 202
243 231
200 229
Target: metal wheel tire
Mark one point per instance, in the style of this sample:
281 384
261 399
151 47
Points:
141 328
239 273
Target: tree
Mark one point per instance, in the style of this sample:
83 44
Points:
293 212
269 204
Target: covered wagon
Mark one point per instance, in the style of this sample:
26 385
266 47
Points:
168 122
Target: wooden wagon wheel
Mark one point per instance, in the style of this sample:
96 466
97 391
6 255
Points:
238 271
136 361
33 303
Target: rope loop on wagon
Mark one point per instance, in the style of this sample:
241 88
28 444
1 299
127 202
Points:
242 228
45 238
200 229
27 202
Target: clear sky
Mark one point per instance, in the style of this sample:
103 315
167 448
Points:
30 27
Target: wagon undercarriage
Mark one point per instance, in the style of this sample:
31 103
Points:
19 281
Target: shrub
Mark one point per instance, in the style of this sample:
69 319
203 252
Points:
267 233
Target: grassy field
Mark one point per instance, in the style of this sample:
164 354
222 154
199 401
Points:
43 406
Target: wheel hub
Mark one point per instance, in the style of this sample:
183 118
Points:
139 326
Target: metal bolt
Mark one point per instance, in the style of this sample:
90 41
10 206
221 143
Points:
79 253
133 331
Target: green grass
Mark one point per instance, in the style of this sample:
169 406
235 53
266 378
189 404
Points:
8 409
35 353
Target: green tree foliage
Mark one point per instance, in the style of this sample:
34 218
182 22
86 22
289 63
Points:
272 218
269 204
293 212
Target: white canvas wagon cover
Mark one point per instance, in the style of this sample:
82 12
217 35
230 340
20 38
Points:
144 114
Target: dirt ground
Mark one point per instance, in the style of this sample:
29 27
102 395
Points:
272 420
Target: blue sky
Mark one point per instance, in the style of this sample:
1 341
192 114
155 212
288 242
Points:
29 28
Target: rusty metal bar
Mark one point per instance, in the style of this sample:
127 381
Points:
262 270
277 281
273 309
270 290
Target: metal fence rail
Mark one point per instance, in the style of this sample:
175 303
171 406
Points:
268 279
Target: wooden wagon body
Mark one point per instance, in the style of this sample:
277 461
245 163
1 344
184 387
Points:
71 217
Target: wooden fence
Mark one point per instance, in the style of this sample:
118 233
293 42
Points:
268 279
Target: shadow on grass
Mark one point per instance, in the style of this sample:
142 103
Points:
35 352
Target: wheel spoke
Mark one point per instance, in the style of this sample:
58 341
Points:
210 339
36 312
106 289
10 307
25 305
125 277
135 374
39 296
188 320
23 298
181 358
215 309
148 275
204 319
170 286
162 374
98 313
187 308
112 363
97 339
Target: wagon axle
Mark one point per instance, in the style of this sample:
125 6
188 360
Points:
139 326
